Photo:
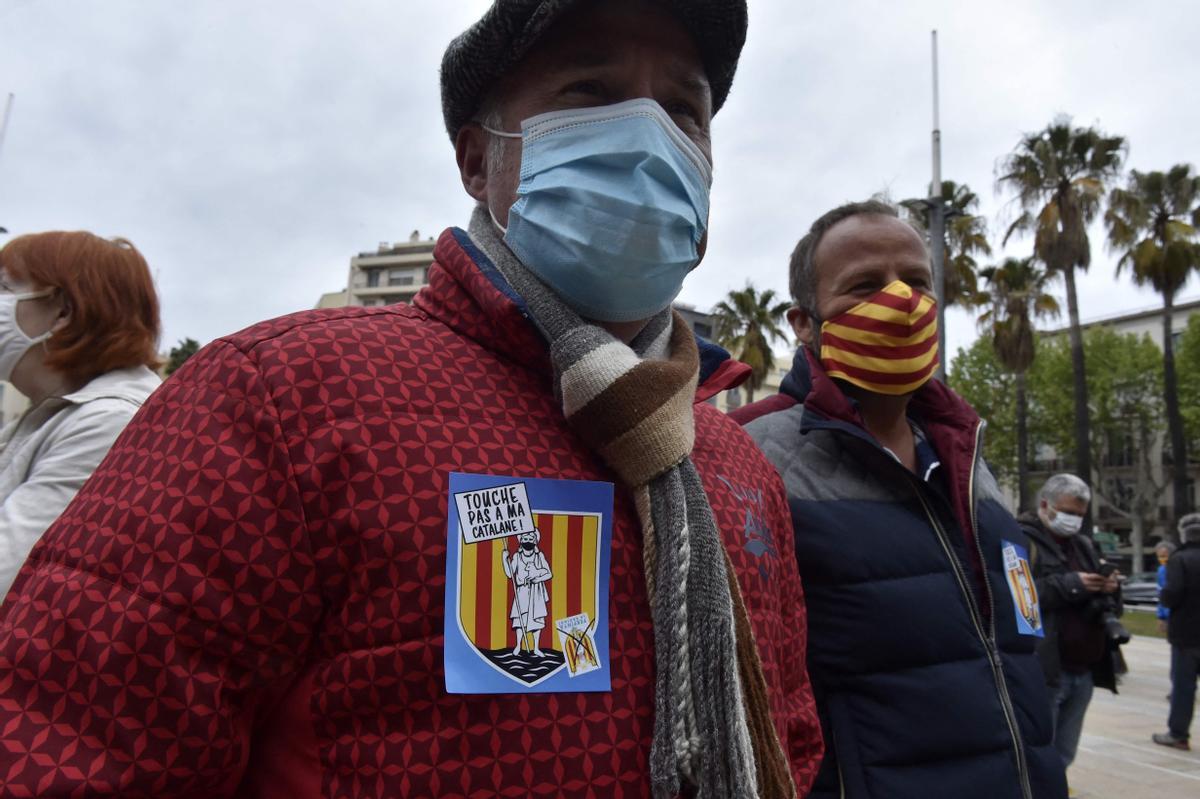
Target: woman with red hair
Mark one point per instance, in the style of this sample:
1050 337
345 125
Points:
78 336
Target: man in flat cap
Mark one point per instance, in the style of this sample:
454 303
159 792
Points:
285 580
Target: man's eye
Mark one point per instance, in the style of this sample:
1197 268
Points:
589 87
681 108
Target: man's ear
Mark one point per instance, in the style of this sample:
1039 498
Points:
803 325
470 151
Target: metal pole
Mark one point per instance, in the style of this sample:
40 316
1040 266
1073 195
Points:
8 105
937 224
4 122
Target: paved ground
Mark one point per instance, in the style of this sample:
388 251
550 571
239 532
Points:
1116 758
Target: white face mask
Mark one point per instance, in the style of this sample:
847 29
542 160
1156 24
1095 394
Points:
1065 524
13 340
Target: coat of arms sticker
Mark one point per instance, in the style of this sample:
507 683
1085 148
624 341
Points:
527 565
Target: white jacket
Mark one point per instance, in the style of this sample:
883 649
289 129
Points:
50 451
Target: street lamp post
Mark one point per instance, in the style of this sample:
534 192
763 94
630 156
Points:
937 224
4 129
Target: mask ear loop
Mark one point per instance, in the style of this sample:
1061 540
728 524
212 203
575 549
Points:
35 295
503 230
501 133
49 334
504 135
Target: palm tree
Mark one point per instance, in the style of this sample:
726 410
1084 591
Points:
966 236
1017 296
1059 176
1153 223
746 323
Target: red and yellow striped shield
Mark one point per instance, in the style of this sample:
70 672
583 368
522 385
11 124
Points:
570 544
888 344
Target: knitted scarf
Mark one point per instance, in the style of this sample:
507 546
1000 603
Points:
632 405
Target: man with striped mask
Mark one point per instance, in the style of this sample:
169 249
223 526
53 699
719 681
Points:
921 609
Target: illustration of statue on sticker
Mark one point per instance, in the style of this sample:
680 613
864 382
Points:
529 573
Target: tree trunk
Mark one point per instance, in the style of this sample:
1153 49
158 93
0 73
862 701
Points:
1179 457
1137 541
1083 441
1022 446
749 392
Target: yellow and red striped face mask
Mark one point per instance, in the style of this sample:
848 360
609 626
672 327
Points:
888 344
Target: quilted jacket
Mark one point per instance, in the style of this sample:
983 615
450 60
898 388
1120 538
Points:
924 685
247 597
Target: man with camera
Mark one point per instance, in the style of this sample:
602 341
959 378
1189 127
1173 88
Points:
1079 596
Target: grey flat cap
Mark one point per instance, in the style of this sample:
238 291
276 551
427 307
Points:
1189 528
510 28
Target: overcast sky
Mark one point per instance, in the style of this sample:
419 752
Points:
249 149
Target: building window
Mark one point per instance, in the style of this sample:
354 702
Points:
1120 448
702 330
401 277
373 278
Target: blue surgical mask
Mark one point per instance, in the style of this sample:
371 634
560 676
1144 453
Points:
611 207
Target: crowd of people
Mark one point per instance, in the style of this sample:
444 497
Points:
238 583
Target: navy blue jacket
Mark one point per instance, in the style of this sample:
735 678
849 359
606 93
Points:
924 684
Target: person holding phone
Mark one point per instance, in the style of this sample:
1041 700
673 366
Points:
1080 600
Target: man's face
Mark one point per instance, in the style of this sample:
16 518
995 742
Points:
1075 506
855 259
601 54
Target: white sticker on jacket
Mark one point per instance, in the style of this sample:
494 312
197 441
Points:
1023 590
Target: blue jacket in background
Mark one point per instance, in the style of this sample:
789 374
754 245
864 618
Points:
1163 611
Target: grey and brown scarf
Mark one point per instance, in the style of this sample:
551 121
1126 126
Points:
632 405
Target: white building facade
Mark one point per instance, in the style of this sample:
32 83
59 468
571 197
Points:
1122 465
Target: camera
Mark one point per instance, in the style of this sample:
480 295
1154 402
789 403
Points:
1107 608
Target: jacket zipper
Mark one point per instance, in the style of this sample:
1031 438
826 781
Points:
987 638
993 650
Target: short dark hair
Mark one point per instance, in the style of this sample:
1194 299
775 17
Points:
802 273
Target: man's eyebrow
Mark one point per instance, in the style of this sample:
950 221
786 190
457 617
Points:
585 59
687 78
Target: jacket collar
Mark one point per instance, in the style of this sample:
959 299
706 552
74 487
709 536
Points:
134 385
468 293
952 426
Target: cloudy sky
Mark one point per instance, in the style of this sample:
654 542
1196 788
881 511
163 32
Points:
249 149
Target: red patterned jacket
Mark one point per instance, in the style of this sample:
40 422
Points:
246 599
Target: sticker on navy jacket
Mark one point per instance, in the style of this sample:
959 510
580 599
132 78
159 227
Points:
1023 589
527 564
